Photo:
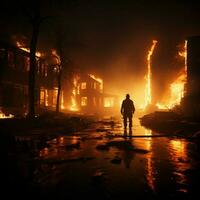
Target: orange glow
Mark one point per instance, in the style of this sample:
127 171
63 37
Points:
183 54
21 46
180 157
108 102
185 60
74 106
4 116
99 80
179 148
150 174
83 85
44 152
62 101
61 140
147 144
148 88
176 93
46 98
177 88
54 53
83 101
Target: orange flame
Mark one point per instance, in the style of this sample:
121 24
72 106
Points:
98 80
148 97
108 102
74 106
54 53
177 88
62 101
21 46
4 116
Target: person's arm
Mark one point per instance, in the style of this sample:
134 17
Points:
122 108
133 108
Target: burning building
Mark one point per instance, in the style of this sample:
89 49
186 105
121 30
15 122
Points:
191 101
89 92
88 95
14 69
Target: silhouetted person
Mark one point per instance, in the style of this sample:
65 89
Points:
127 110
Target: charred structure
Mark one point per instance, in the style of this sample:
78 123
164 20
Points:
190 102
81 92
15 65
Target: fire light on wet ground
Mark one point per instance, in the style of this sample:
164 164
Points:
102 162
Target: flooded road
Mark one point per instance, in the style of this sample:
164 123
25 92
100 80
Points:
103 163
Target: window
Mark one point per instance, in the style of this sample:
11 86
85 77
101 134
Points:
46 98
83 85
108 102
42 96
55 93
95 85
78 89
83 101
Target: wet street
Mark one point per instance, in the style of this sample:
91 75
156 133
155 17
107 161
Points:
104 163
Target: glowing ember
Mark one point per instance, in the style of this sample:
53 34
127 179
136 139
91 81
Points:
98 80
148 76
21 46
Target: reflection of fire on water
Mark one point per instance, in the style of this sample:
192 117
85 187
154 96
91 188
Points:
149 165
180 159
150 174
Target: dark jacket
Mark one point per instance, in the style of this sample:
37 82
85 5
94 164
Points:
127 108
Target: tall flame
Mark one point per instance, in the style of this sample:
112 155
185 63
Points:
62 101
74 106
148 96
177 88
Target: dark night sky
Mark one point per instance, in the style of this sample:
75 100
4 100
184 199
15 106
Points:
112 38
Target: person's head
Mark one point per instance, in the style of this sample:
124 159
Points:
127 96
